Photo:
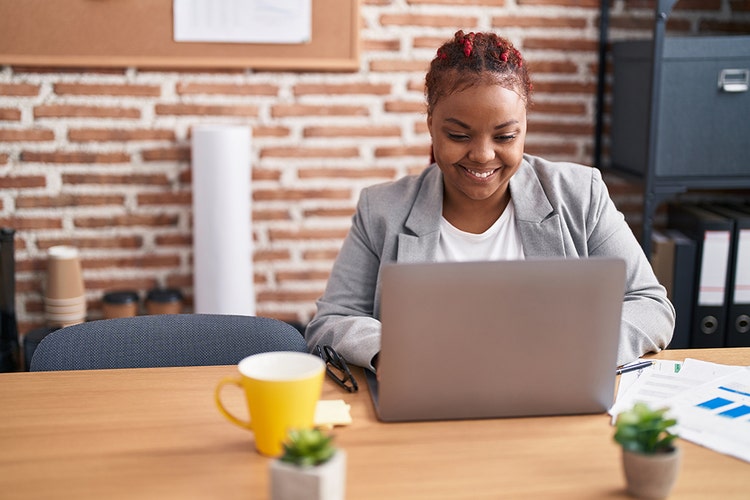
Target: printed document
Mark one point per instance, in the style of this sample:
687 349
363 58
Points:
710 401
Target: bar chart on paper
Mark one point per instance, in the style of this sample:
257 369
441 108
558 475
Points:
717 414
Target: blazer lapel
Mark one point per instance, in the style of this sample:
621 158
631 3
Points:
423 222
539 225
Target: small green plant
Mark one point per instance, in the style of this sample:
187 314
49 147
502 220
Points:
308 447
643 430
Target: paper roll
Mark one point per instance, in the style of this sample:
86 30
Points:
222 232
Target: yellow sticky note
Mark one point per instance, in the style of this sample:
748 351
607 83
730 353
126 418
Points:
332 412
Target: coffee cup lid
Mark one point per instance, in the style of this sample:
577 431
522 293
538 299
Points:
120 297
164 295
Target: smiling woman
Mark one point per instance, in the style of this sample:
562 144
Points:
482 198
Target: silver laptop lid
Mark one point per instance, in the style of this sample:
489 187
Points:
499 339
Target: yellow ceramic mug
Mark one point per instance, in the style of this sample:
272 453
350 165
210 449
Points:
282 390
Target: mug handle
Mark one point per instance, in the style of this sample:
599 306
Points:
245 424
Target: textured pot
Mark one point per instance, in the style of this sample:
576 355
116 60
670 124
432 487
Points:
323 482
651 476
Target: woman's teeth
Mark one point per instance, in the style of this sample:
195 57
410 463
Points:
481 175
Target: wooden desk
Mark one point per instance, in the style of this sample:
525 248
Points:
155 433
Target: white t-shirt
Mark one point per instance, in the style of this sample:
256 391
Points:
501 241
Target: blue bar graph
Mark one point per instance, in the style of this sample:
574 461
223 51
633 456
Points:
714 403
740 411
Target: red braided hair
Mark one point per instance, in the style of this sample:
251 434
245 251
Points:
471 58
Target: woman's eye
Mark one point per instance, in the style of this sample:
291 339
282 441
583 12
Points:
505 138
457 137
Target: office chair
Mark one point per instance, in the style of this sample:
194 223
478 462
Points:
163 340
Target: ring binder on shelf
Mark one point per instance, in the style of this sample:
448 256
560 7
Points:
738 277
713 236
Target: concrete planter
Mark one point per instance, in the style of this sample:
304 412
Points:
323 482
651 476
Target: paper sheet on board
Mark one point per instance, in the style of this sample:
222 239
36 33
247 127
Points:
243 21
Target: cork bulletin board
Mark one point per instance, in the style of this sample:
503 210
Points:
122 33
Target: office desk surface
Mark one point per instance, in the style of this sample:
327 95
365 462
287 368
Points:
155 433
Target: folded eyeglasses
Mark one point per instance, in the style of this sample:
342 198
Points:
336 368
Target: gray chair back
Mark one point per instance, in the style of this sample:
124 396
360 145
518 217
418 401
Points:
163 340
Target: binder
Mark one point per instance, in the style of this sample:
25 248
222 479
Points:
712 234
738 309
673 260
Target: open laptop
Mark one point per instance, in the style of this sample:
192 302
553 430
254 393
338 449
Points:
467 340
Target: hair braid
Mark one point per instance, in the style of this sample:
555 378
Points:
470 58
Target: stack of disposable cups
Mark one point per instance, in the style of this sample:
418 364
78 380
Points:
64 295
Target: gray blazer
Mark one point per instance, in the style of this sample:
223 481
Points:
562 210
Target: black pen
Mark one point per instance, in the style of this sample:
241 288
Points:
631 368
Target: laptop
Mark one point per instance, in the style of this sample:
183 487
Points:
465 340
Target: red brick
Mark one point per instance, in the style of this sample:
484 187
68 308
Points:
562 44
271 255
173 240
166 154
31 223
381 45
368 131
119 135
182 198
227 89
107 89
300 194
3 158
402 151
270 131
77 111
150 260
553 67
128 220
118 242
558 108
405 107
115 179
291 110
21 181
271 215
26 135
397 65
539 22
69 200
346 173
290 152
547 87
73 157
342 89
320 254
10 114
430 21
302 275
330 212
19 89
206 110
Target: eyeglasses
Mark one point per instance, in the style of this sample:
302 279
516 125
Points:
336 368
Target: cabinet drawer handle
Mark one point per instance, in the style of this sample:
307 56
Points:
734 80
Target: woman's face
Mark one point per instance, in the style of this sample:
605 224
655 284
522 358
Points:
478 137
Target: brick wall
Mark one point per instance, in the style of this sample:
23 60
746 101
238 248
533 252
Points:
100 158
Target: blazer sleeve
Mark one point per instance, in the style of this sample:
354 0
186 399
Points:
345 315
647 316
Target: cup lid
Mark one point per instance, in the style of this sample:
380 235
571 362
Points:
164 295
120 297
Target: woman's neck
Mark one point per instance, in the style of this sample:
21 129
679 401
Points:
474 216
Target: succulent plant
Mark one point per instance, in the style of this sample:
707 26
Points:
308 447
646 431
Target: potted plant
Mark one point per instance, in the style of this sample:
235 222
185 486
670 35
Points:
650 458
309 468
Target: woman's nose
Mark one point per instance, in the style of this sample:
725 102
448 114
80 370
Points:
481 151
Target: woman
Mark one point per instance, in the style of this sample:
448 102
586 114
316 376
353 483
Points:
482 199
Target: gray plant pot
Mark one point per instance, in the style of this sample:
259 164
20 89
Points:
651 476
322 482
